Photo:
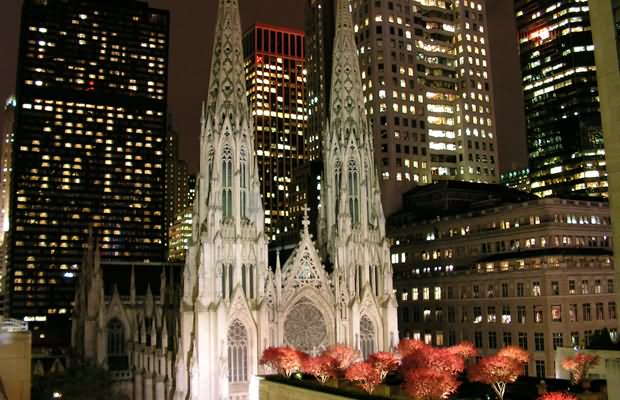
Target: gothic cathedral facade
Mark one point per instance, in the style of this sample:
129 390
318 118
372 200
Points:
233 305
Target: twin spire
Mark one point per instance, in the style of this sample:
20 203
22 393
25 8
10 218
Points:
227 82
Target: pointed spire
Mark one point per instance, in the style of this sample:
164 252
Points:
306 223
227 82
132 286
346 91
148 302
278 274
164 334
162 286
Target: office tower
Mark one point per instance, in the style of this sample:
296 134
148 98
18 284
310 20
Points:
6 147
176 177
180 235
275 79
89 146
517 179
605 16
565 141
427 86
537 274
191 189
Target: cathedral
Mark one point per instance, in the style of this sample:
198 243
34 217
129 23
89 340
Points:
204 341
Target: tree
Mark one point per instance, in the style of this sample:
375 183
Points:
321 367
465 350
497 371
81 380
286 360
429 384
408 346
516 353
344 356
579 366
364 375
557 396
384 362
438 359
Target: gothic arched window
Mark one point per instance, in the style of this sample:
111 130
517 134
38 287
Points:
117 351
227 182
243 183
337 187
237 352
367 337
354 192
116 338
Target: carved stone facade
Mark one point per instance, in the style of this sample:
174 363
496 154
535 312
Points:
233 305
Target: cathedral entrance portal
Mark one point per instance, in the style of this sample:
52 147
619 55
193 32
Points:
305 328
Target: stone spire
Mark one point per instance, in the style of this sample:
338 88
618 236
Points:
227 81
351 193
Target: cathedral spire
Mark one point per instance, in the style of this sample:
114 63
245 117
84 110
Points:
227 82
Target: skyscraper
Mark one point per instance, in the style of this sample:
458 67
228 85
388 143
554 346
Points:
275 79
428 92
176 177
89 145
565 140
6 148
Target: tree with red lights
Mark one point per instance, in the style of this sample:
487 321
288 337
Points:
384 362
557 396
343 355
516 353
429 384
465 350
286 360
497 371
364 375
579 366
435 358
321 367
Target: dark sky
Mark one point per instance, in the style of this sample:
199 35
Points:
191 39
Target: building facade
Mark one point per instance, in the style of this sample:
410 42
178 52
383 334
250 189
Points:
428 92
180 235
177 178
538 275
606 33
276 79
563 121
89 147
7 135
517 179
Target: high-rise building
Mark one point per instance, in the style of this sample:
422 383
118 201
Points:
176 177
276 78
605 16
191 189
6 148
428 92
89 146
564 136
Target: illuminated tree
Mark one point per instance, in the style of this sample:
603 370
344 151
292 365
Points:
384 363
516 353
344 356
429 384
286 360
437 359
465 350
364 375
321 367
408 346
557 396
496 371
579 366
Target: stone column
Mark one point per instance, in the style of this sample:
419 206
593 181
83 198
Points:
148 386
160 388
138 393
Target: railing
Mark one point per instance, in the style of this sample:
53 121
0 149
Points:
13 325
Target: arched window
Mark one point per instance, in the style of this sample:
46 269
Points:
337 187
367 336
354 192
116 338
237 352
244 280
252 272
227 182
117 351
243 182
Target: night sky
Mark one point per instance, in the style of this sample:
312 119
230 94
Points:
191 38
